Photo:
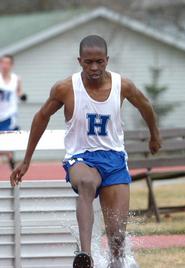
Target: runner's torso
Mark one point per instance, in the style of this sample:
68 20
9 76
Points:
94 125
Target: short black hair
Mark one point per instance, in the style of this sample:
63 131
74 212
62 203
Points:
93 41
9 56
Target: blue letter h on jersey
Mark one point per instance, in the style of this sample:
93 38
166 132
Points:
97 124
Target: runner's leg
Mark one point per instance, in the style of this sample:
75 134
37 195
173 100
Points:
115 206
86 180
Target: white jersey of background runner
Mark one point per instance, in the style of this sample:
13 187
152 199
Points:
94 125
8 97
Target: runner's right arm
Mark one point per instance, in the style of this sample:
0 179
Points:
39 124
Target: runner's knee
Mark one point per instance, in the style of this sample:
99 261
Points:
87 186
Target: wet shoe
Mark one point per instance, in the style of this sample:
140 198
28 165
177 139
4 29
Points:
83 260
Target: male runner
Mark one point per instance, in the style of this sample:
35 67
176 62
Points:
95 160
10 90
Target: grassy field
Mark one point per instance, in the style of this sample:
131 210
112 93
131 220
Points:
166 195
161 258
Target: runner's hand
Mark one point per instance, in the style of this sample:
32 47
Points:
18 173
154 145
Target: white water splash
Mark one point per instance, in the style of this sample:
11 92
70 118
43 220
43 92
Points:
100 251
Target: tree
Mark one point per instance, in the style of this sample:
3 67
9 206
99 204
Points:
155 91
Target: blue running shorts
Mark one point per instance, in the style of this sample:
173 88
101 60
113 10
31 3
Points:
9 124
112 166
5 125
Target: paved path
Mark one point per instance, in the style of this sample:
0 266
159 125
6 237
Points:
54 171
158 241
154 241
37 171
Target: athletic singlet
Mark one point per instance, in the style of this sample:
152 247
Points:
94 125
8 97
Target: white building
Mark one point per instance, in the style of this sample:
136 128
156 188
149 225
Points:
46 46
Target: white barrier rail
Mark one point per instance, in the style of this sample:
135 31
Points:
20 218
32 225
36 217
17 140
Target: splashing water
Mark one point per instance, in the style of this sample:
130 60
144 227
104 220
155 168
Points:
100 251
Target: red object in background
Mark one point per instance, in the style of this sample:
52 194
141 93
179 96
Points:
153 241
37 171
55 171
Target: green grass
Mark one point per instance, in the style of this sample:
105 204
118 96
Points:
161 258
166 195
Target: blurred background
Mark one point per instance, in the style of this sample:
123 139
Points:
146 41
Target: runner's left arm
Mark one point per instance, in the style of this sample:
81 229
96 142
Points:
141 102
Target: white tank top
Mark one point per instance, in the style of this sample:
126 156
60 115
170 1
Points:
8 97
94 125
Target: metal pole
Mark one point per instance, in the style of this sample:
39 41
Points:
17 227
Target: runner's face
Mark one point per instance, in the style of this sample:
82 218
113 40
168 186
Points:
6 65
93 61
